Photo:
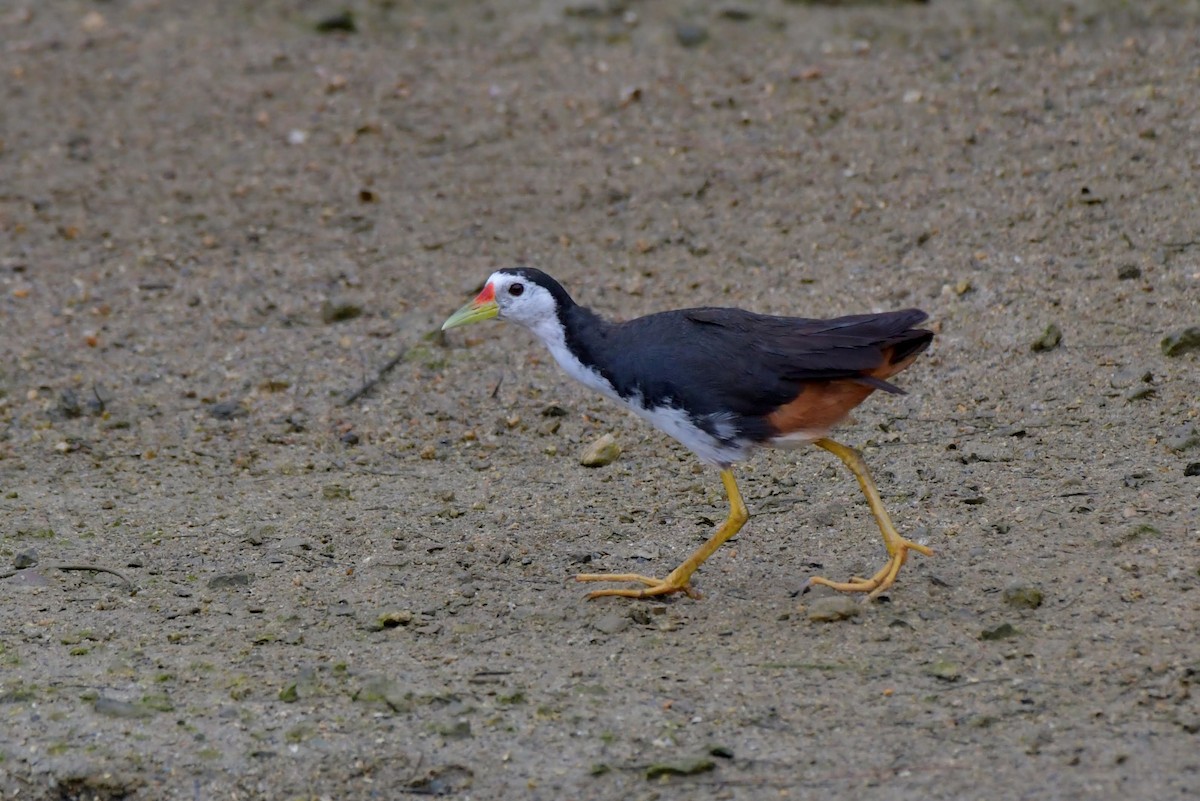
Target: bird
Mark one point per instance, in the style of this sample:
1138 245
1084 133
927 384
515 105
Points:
724 382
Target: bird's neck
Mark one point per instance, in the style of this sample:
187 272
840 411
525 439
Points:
573 336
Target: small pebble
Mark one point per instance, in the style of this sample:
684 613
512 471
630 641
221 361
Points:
295 543
660 770
1129 272
587 9
93 22
341 22
1183 437
689 34
944 669
1049 340
339 311
393 619
386 691
611 623
1193 469
121 709
229 580
1001 632
833 608
25 558
1177 343
984 452
1139 392
603 451
737 13
1128 376
226 410
1023 596
68 404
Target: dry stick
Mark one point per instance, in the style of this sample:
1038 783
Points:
91 568
370 384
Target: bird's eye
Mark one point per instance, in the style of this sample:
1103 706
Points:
516 290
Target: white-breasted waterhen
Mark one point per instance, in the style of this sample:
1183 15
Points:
723 382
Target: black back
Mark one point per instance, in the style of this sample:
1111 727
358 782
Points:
717 362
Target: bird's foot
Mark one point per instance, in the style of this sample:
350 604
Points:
882 581
653 586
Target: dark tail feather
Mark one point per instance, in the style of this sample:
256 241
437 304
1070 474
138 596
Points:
878 383
915 341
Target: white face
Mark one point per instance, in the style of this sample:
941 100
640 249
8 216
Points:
522 301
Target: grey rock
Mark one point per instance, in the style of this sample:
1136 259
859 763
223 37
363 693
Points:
1139 392
985 452
611 623
25 558
114 708
690 34
1129 376
1050 339
1001 632
834 608
382 690
592 9
341 22
392 619
229 580
1128 272
226 410
339 311
68 404
31 578
944 669
294 543
1023 596
737 13
1177 343
1183 438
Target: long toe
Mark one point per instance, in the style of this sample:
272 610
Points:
883 580
653 586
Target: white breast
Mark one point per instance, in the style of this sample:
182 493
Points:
679 425
671 421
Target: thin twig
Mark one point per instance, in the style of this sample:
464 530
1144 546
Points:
370 384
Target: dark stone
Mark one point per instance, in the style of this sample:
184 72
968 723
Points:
689 34
229 580
337 23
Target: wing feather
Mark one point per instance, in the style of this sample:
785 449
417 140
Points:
713 361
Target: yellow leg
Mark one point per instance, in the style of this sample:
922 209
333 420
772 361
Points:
678 580
897 546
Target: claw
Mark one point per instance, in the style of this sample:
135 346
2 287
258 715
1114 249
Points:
680 578
882 581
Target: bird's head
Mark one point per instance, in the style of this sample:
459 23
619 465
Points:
523 295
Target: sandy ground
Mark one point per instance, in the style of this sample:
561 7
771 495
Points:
216 222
